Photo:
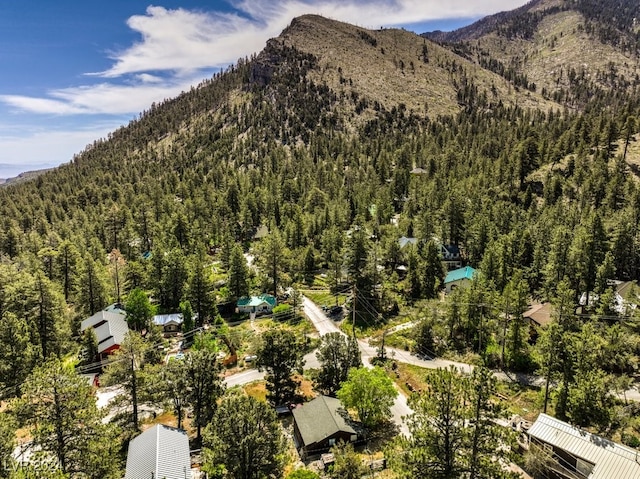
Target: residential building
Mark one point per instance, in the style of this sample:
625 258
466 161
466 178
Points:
573 453
537 316
171 323
404 241
320 424
161 452
257 304
450 256
110 328
459 278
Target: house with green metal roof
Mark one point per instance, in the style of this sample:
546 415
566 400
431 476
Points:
263 303
319 424
457 278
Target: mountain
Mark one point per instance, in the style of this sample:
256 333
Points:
27 175
393 67
513 142
340 140
567 50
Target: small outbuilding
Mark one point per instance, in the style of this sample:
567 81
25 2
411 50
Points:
161 452
319 424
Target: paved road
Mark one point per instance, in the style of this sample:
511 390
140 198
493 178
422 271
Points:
320 321
325 325
244 377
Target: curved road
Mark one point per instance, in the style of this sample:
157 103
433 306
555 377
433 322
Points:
400 409
324 325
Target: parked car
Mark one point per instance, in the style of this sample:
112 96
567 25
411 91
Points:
250 358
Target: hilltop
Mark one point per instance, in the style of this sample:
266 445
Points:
568 51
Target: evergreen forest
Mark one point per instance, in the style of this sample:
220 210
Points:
304 166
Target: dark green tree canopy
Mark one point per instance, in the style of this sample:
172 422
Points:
281 354
244 440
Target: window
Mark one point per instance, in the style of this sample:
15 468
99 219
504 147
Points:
332 442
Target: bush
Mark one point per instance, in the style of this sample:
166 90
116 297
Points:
492 355
303 474
630 440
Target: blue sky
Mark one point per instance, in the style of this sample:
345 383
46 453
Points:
74 70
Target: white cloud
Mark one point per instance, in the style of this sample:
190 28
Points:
177 46
46 149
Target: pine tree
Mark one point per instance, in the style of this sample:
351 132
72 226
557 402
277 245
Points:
337 354
281 354
61 412
238 273
244 440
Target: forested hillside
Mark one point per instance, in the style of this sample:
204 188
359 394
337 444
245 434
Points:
531 169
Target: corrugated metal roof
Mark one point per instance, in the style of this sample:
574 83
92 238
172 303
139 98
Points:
257 300
612 460
320 418
110 329
98 318
161 452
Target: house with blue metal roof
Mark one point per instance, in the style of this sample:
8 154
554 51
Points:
262 304
458 278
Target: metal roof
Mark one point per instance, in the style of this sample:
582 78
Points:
110 329
257 300
161 452
321 418
461 273
610 459
99 318
404 241
164 319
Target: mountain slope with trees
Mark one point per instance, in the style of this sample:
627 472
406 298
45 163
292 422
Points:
323 141
567 51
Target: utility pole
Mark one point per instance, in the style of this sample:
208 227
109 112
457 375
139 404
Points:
504 332
480 329
134 389
382 353
353 321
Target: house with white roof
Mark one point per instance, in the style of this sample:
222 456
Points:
170 323
110 328
161 452
572 453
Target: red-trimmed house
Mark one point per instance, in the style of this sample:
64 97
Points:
110 328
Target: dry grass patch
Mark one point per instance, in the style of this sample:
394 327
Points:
257 390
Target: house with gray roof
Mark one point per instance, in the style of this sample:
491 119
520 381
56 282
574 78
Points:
572 453
170 323
320 424
161 452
